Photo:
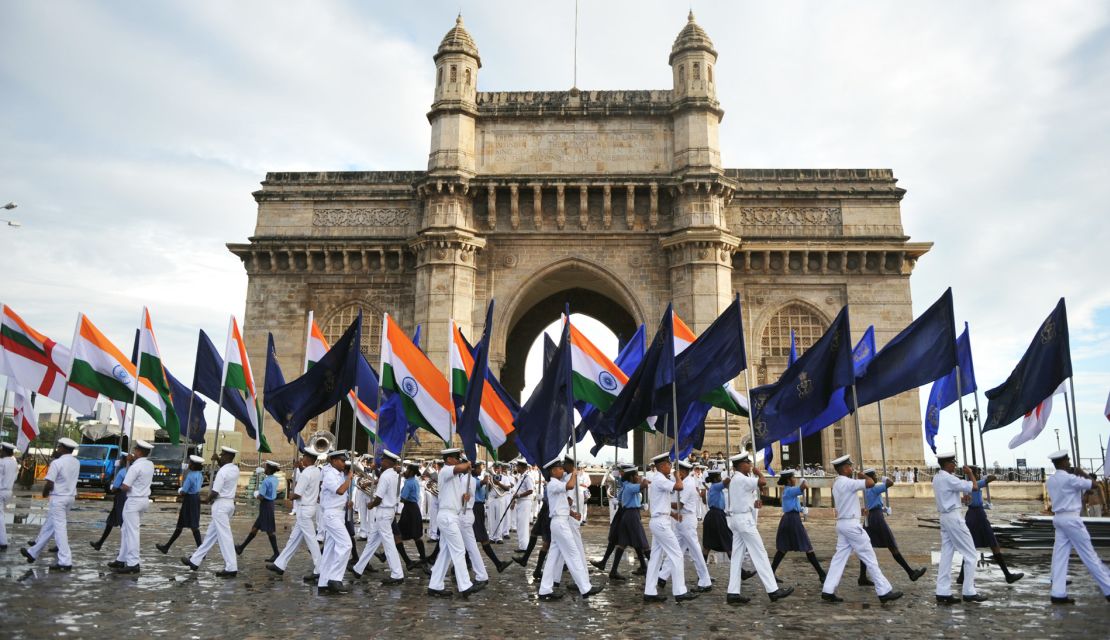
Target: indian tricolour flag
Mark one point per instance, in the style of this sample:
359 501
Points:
238 376
495 419
596 379
152 373
683 336
39 364
100 366
316 345
426 392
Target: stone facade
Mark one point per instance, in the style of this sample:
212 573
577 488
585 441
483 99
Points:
613 200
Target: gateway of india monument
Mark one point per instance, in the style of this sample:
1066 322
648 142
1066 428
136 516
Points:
616 201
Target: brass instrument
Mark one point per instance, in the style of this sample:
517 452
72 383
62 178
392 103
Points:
365 481
321 443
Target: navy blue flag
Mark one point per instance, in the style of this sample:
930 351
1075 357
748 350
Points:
769 451
207 379
467 426
714 359
806 386
630 357
1046 363
549 348
274 376
193 424
648 391
321 387
543 425
691 431
943 393
920 354
394 428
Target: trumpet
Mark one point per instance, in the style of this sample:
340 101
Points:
365 481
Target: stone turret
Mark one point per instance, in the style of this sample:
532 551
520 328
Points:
454 108
697 112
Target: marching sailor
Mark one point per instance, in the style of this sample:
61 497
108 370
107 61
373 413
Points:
336 481
452 482
716 535
584 484
954 534
626 529
188 517
1065 488
686 529
564 547
380 512
850 536
409 525
432 490
522 504
119 498
483 482
879 531
792 535
306 498
471 484
743 488
221 495
61 489
982 533
8 472
266 494
136 484
664 543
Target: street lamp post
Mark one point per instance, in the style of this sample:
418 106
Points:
971 432
1057 438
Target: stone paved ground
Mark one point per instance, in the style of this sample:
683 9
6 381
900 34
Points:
167 600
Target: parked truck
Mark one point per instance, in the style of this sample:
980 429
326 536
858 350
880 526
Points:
167 465
98 464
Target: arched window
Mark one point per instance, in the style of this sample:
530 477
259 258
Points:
466 76
808 327
339 320
454 74
697 71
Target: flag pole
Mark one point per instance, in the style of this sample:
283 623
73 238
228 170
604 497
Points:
855 417
748 382
1071 442
982 447
189 417
960 398
62 413
802 465
354 422
1074 419
882 449
220 401
728 445
4 408
135 393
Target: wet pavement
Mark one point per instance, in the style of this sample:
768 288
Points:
167 600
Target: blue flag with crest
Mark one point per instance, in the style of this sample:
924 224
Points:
943 393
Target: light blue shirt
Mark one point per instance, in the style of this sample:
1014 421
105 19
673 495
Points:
790 499
193 481
715 497
410 490
977 496
873 497
121 473
631 498
481 493
267 490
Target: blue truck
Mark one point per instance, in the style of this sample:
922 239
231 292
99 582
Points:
98 464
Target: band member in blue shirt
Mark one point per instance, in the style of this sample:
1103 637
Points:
188 517
879 531
716 536
982 532
792 535
411 525
119 498
267 492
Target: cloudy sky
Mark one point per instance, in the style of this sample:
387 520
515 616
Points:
132 135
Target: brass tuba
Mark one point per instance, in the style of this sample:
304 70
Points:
321 443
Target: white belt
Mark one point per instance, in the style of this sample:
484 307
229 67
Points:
738 513
848 518
223 499
1066 514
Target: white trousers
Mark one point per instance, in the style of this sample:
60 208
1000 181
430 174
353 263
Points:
564 550
55 526
506 517
664 547
746 539
1071 533
452 551
433 517
219 531
133 511
3 525
319 525
362 506
687 534
522 512
470 543
850 537
954 536
337 547
494 509
380 522
582 503
304 530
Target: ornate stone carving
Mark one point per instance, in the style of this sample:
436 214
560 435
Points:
375 217
510 260
782 216
635 260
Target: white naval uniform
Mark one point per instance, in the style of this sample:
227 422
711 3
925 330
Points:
381 525
140 473
742 492
452 549
219 526
537 482
614 501
466 527
584 484
1066 492
702 508
564 547
304 527
433 513
954 534
63 473
362 508
8 472
506 501
664 542
850 537
687 533
522 511
337 542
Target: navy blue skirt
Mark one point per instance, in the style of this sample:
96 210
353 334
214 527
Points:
879 531
410 526
543 524
981 530
265 520
614 526
115 516
189 515
716 536
792 535
630 530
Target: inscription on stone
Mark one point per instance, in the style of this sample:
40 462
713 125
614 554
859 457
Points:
384 217
568 151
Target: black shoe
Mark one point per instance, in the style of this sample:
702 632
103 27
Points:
389 582
164 548
474 588
822 577
355 573
976 598
594 591
273 557
554 595
1014 577
598 564
115 564
747 575
412 565
337 587
380 556
655 598
276 569
700 589
917 573
1067 600
126 569
865 582
831 597
440 593
661 583
689 595
947 600
480 585
501 566
538 573
188 562
890 596
238 550
27 554
736 598
311 578
69 567
95 545
223 573
521 561
617 577
641 571
780 593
